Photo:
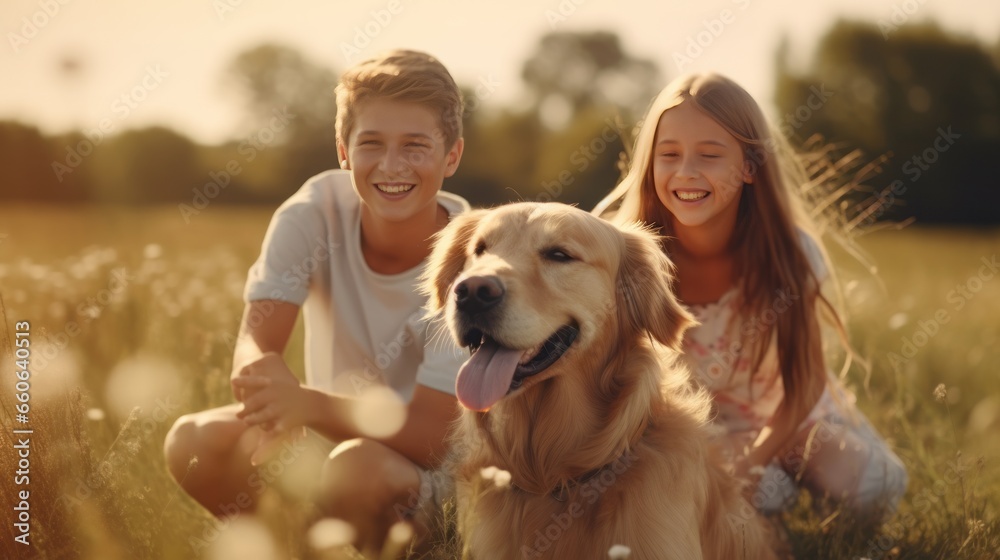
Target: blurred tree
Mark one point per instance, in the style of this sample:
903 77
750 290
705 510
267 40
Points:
577 165
509 156
149 165
260 170
565 145
32 165
570 72
928 99
501 154
291 111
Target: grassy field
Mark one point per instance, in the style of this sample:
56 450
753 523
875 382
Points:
133 314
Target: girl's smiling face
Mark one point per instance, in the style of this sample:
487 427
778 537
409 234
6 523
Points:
699 168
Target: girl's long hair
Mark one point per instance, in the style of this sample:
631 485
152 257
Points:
773 216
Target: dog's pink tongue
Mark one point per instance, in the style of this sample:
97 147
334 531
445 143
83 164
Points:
485 377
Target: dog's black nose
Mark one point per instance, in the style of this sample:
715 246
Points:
476 294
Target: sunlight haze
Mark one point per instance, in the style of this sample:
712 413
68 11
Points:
70 69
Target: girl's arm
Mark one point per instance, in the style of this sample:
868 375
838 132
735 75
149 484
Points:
775 435
779 432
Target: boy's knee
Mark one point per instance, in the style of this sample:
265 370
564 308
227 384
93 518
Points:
355 463
201 437
179 446
364 471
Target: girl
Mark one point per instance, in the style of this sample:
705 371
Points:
707 172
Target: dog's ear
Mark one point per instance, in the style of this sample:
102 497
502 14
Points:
447 259
645 297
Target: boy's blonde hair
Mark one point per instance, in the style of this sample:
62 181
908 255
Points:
771 218
401 75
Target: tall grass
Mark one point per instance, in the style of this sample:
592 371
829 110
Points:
133 316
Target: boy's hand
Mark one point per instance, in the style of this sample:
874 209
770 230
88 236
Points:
276 401
267 365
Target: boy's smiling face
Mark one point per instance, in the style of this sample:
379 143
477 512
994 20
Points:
398 158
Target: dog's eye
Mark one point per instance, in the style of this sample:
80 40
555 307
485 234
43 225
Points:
557 255
480 248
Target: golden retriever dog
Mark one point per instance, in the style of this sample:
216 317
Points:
580 431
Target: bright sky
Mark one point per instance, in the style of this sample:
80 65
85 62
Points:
180 48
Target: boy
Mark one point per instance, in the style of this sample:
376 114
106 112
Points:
348 248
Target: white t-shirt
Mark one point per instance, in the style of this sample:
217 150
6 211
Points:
362 327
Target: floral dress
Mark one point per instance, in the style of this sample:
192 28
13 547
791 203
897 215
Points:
838 455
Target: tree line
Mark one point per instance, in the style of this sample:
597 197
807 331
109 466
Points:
920 104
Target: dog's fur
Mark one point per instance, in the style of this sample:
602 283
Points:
608 445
